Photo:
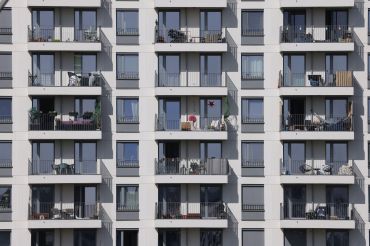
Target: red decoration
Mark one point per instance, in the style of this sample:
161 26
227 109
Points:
192 118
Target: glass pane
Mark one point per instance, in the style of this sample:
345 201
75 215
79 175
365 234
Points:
5 108
5 152
127 22
5 238
130 152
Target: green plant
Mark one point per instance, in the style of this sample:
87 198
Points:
34 113
73 113
96 117
53 113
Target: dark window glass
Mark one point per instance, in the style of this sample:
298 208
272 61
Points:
336 108
43 71
252 152
84 237
5 153
127 22
5 110
252 23
5 197
83 65
127 154
42 238
169 237
252 197
211 237
127 237
169 70
210 70
5 238
6 21
337 238
253 237
43 25
127 198
85 107
5 65
128 110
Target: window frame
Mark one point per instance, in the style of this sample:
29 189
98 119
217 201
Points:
246 31
123 32
122 206
245 112
118 116
121 163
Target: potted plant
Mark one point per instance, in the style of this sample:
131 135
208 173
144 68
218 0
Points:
73 114
193 119
96 117
53 113
34 113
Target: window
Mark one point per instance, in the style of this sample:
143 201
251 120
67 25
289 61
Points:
127 154
368 65
169 70
294 158
5 110
336 153
295 237
5 66
84 237
85 107
253 237
5 22
252 66
128 198
210 70
85 158
84 64
336 108
5 238
85 20
294 70
127 237
252 110
43 71
42 238
252 154
210 25
5 198
252 198
210 237
42 26
169 237
252 23
337 238
5 154
127 22
128 110
127 66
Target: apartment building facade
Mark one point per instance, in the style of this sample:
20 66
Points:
184 123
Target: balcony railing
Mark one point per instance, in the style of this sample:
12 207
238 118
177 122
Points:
48 122
178 166
6 119
6 163
300 122
127 163
316 79
5 207
252 120
93 79
253 207
316 34
189 36
127 75
190 79
252 75
127 208
204 124
253 163
6 75
127 119
203 210
63 34
62 167
315 167
5 31
316 211
252 32
63 211
127 31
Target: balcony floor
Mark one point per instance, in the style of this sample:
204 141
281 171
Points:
190 47
191 135
317 47
64 3
76 223
317 135
65 91
65 46
316 91
318 224
65 179
190 4
191 223
317 179
191 179
316 3
45 135
191 91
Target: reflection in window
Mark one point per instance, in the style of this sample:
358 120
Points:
128 198
337 238
127 22
127 237
127 154
252 66
42 238
85 107
128 110
5 154
252 23
211 237
252 110
84 237
252 154
127 66
5 197
169 237
5 110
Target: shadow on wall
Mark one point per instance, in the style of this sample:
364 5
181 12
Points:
230 14
106 14
232 230
106 187
357 14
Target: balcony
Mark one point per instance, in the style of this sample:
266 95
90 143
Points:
316 38
63 171
190 4
211 128
48 126
318 83
64 39
65 3
6 123
316 127
193 40
64 215
6 35
316 4
191 215
190 83
316 172
179 170
6 79
65 83
317 215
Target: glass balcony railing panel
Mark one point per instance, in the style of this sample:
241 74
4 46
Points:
64 167
316 211
63 34
316 34
203 210
165 123
92 79
300 122
316 167
179 166
163 35
63 211
50 122
316 79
